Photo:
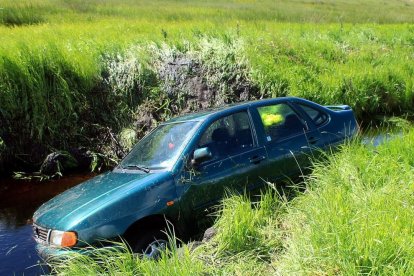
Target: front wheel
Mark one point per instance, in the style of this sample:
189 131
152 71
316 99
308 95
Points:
150 244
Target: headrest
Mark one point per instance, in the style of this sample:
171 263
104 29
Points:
220 135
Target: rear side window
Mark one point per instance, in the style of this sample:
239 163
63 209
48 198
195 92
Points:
280 122
318 117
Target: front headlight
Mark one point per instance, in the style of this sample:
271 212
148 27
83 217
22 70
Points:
63 239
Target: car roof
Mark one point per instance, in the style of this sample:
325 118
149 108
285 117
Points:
204 114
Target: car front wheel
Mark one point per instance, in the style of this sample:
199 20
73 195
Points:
151 244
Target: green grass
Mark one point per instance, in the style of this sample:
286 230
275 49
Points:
355 216
118 261
20 14
63 64
73 72
372 11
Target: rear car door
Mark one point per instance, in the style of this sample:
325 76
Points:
234 165
288 139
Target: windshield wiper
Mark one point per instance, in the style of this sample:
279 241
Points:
137 167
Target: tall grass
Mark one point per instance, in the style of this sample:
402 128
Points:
99 66
23 13
54 90
356 215
354 11
249 230
119 261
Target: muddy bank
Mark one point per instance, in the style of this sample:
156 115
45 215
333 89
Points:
136 89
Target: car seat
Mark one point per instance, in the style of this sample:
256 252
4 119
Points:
221 145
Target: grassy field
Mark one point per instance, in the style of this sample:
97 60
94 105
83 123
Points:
99 74
315 11
354 217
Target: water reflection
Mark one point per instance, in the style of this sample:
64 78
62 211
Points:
380 135
17 251
18 201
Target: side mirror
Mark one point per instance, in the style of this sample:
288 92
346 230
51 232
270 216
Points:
201 155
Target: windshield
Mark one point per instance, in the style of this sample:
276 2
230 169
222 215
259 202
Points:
161 148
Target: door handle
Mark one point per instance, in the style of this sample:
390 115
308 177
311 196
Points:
257 159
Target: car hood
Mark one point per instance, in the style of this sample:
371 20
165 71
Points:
88 196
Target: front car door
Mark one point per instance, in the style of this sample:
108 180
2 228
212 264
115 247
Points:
233 166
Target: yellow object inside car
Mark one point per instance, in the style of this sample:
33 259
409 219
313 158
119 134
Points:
271 119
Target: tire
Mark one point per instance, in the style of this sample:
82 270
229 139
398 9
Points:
150 244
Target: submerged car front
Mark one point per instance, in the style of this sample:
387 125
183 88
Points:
104 207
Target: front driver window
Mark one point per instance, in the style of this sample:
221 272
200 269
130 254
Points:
228 135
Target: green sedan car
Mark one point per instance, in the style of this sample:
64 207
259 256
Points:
184 166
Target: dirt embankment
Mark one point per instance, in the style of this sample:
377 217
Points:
138 89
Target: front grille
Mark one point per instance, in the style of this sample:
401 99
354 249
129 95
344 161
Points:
40 234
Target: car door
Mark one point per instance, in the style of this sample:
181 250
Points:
288 140
233 166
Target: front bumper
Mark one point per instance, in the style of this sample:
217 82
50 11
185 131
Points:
47 252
